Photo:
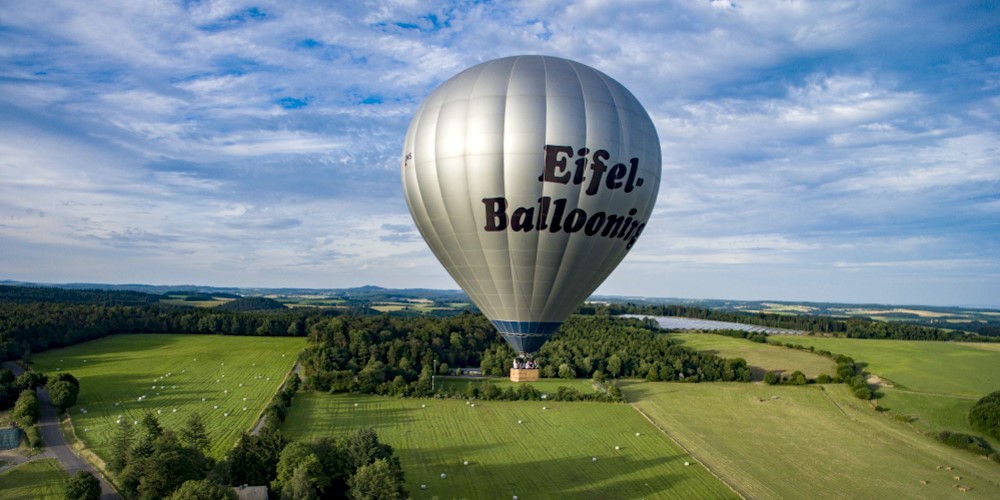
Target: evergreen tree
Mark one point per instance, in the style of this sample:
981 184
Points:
194 434
121 446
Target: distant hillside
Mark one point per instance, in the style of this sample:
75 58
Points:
251 304
984 321
30 294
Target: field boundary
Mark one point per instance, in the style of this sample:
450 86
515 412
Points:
262 417
77 446
689 452
935 394
836 404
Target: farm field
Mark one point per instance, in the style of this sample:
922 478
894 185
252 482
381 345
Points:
228 380
934 382
808 442
180 301
545 385
41 479
549 455
761 358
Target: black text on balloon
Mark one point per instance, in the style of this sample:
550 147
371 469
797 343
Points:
551 215
619 175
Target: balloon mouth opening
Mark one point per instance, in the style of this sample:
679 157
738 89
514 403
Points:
526 337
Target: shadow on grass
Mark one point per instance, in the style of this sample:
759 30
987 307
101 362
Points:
574 477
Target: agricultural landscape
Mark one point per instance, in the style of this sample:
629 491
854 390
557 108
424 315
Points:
472 436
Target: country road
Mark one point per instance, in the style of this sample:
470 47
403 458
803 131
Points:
48 426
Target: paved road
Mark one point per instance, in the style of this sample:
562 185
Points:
48 426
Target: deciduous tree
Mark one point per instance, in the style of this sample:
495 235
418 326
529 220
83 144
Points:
83 486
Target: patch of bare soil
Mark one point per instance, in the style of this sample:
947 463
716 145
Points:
877 381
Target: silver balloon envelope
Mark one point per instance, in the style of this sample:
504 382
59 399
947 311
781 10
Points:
530 178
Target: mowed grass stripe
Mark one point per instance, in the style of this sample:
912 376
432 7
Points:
42 479
230 373
760 357
807 442
545 385
548 455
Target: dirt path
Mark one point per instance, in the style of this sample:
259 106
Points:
48 427
297 370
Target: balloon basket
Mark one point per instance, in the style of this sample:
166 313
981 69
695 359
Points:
524 374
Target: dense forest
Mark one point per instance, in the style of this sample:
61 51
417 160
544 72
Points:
30 294
859 328
387 355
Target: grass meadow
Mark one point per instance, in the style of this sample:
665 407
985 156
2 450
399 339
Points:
514 448
42 479
934 383
808 442
228 380
761 358
546 385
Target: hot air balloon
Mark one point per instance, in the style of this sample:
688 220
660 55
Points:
530 178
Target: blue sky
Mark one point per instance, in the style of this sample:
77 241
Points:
823 151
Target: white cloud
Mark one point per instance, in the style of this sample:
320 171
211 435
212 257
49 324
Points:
211 142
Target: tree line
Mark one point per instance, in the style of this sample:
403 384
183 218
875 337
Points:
35 327
860 328
152 462
396 356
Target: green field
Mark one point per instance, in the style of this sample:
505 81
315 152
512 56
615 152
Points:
227 379
37 480
934 382
180 301
808 442
549 454
761 358
545 385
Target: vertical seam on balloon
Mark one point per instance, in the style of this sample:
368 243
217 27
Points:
441 191
522 300
605 267
511 309
432 231
470 201
580 194
566 241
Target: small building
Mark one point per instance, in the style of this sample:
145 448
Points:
10 438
